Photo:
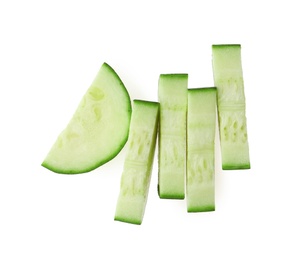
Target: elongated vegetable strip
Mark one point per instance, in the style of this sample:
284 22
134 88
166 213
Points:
201 123
172 135
137 169
228 79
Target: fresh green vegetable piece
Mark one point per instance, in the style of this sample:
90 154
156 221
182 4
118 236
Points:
98 129
228 78
135 179
201 124
172 135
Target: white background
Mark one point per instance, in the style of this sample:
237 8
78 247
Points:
50 52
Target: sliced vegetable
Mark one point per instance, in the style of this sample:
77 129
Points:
201 123
98 129
138 163
172 135
228 78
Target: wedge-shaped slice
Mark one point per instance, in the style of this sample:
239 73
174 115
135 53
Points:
228 78
138 163
172 135
98 129
201 124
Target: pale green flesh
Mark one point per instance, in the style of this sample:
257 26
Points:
138 163
201 124
172 94
228 79
98 129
